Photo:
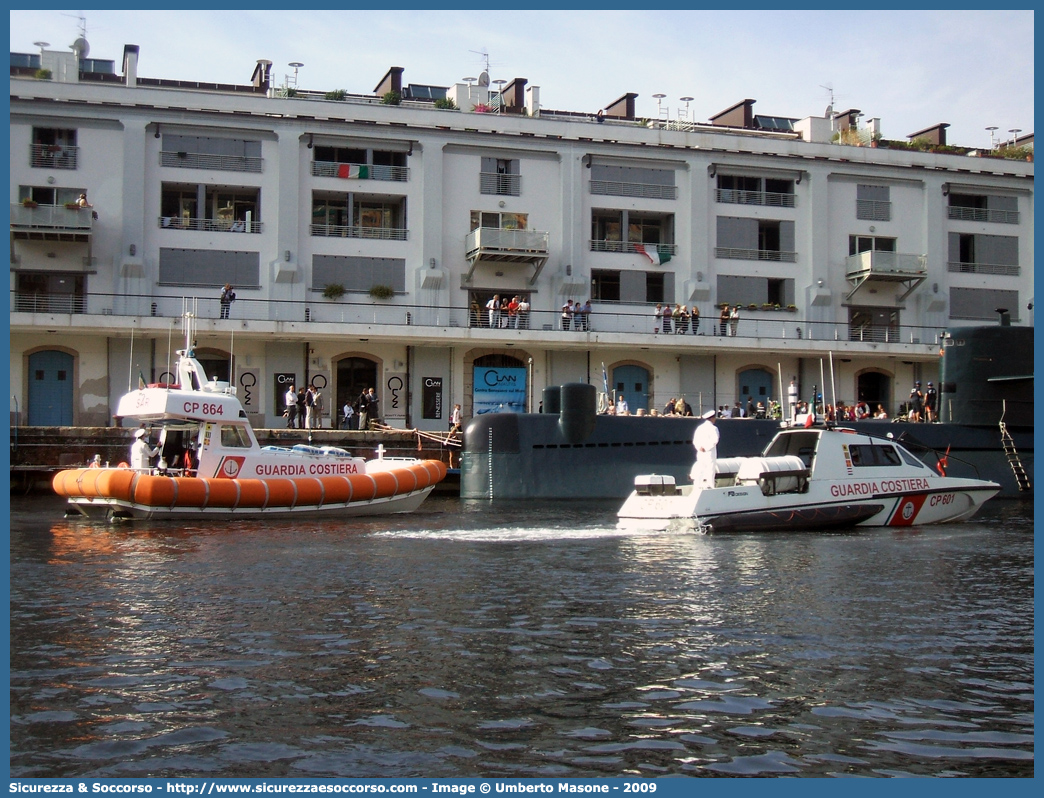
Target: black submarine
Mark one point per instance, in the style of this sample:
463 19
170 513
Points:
570 451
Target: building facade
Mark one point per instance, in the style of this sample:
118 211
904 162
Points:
365 235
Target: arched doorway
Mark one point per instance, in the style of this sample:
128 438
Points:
632 383
50 389
499 384
756 384
354 375
875 388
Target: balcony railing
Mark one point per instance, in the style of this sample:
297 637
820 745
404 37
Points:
504 185
38 302
202 160
360 171
874 210
494 240
51 217
210 225
883 265
54 156
769 198
607 317
982 215
616 188
355 231
890 267
602 245
1005 270
739 253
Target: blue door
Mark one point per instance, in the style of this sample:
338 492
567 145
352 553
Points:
755 384
631 382
50 389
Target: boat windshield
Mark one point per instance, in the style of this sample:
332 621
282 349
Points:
799 444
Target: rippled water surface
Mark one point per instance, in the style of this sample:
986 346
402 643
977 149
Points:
516 640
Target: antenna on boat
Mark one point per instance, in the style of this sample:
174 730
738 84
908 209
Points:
170 333
822 389
130 363
833 391
779 378
231 359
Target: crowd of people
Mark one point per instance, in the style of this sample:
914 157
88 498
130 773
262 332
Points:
509 313
303 408
576 315
678 319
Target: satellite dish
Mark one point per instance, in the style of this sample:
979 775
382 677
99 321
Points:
483 79
829 111
80 47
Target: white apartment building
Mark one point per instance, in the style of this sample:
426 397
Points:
364 235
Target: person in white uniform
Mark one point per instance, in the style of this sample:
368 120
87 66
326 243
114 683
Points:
705 441
141 452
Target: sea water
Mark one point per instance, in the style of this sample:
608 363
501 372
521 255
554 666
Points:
517 639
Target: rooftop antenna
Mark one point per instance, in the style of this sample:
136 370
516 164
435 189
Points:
80 46
829 113
288 82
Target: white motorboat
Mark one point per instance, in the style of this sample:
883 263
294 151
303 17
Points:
808 479
211 465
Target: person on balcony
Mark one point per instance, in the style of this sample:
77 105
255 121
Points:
82 202
228 296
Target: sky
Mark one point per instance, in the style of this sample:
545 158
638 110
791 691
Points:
910 69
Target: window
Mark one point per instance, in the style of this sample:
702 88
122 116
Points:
605 286
45 195
872 203
499 221
500 176
642 227
209 267
368 217
982 303
234 437
633 181
984 208
873 324
345 161
863 456
630 286
755 239
749 190
226 209
204 152
53 148
857 244
984 254
357 273
749 290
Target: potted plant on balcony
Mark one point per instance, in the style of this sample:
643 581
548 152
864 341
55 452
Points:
29 202
446 104
382 291
333 291
72 206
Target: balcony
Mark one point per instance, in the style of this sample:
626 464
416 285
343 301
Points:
54 222
739 253
496 245
504 185
616 188
874 210
209 225
53 156
886 267
356 231
1006 270
44 302
355 171
982 215
604 245
202 160
768 198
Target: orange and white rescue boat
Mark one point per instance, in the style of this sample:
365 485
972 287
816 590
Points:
212 465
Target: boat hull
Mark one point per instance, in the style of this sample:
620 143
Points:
122 493
708 510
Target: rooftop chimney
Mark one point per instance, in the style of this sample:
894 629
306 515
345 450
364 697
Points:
936 134
514 95
130 64
622 108
739 115
261 79
392 81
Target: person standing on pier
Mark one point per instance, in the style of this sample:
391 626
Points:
291 407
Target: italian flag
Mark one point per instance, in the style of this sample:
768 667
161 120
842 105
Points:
656 257
360 171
